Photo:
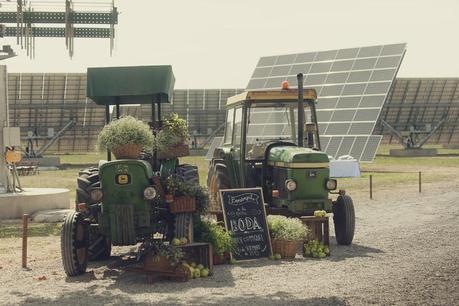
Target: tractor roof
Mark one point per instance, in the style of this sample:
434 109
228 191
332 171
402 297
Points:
130 85
283 95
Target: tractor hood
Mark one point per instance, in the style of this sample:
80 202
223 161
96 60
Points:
297 157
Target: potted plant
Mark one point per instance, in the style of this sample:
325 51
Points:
185 197
160 255
172 139
126 137
220 239
287 234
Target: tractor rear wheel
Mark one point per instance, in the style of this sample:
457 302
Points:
184 221
87 180
74 244
99 245
218 179
344 219
188 173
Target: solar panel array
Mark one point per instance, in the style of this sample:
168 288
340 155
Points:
204 109
39 101
414 102
352 86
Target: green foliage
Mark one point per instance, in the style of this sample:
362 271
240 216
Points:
173 132
126 130
316 249
216 235
283 228
161 249
177 187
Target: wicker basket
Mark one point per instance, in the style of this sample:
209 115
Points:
174 151
287 249
127 151
183 204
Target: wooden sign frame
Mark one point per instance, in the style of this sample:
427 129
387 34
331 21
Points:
227 226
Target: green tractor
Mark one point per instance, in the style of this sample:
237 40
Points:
118 203
263 145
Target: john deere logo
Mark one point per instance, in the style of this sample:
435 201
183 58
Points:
123 179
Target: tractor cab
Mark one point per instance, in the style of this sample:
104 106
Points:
272 141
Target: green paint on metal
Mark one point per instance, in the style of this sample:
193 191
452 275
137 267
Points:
289 154
125 213
168 167
130 85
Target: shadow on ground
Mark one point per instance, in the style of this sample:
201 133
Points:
89 296
342 252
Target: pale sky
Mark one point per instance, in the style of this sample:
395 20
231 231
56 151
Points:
216 43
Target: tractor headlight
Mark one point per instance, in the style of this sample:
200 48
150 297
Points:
96 195
290 185
149 193
331 184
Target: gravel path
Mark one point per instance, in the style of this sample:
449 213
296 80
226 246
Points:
405 252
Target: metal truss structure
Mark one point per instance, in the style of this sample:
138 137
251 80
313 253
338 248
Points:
26 15
420 111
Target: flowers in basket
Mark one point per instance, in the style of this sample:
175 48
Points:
126 137
185 197
173 137
287 235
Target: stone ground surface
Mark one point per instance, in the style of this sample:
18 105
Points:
405 252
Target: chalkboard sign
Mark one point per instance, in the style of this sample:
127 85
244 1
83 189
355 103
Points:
245 218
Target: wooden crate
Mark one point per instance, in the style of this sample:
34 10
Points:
200 253
319 229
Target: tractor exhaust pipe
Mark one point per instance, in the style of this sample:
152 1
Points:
299 77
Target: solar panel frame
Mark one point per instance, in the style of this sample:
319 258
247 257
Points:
352 85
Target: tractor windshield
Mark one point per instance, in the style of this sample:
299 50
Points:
268 122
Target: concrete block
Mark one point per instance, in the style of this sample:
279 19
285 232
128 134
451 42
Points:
14 205
51 216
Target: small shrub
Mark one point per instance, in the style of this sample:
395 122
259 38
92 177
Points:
126 130
174 132
177 187
216 235
283 228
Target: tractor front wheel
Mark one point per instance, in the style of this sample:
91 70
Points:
344 219
74 244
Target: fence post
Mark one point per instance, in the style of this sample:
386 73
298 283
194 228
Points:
25 223
371 187
420 189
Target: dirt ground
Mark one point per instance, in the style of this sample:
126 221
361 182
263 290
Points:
405 252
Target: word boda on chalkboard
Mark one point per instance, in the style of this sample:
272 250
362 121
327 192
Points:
245 218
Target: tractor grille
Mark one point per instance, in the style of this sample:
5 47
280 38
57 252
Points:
279 178
122 225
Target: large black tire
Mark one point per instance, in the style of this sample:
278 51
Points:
87 180
219 179
99 245
188 173
344 219
74 244
184 221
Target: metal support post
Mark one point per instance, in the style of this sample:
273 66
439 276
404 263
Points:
25 223
420 189
3 123
371 187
